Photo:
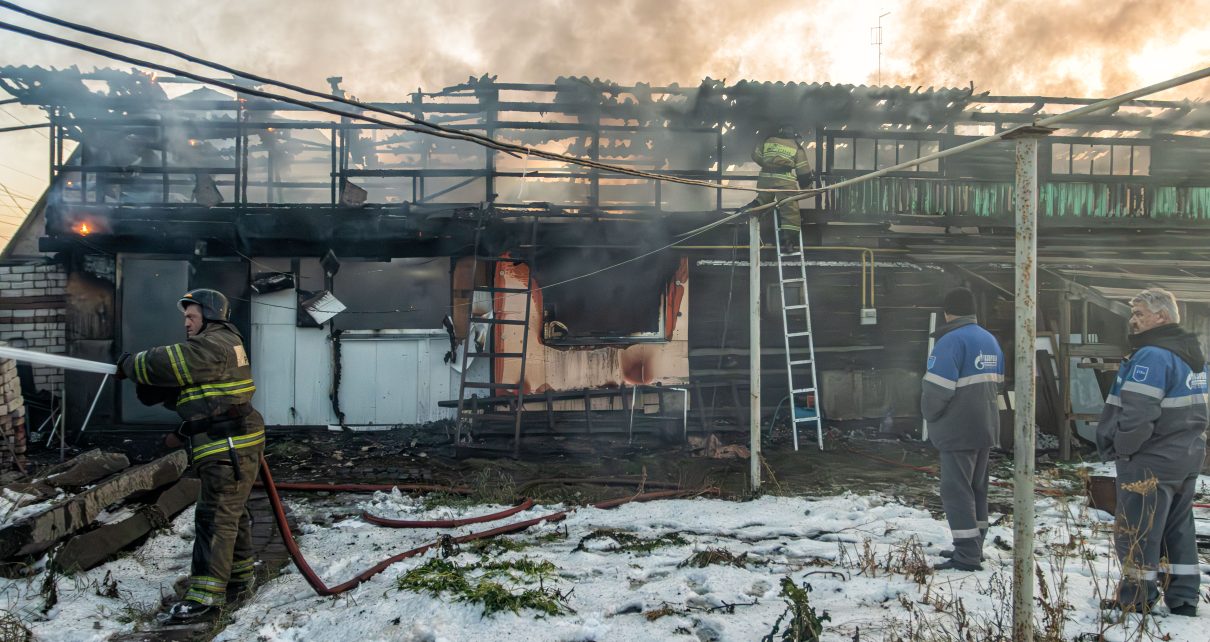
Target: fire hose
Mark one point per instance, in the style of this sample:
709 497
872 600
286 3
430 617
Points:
318 585
283 526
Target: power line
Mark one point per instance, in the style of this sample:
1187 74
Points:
21 171
26 125
424 126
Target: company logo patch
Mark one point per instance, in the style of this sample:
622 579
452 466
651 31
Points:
986 361
932 361
1196 381
241 357
1139 373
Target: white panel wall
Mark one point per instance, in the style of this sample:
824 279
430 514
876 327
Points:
396 377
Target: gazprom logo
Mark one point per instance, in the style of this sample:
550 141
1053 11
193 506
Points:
1196 380
986 361
932 361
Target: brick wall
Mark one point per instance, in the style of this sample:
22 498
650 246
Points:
32 314
12 417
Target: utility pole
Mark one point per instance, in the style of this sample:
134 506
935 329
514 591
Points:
754 349
876 40
1025 366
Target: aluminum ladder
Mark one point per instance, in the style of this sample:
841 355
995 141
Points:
796 321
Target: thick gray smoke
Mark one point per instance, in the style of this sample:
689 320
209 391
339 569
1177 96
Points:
1064 48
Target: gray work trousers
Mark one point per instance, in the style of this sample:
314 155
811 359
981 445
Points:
1155 538
964 499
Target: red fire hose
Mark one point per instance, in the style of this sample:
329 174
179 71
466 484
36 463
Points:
525 504
318 585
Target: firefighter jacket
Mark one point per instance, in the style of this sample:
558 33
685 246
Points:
1156 412
212 371
960 387
781 160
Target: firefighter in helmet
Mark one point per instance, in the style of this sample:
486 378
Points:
207 380
783 165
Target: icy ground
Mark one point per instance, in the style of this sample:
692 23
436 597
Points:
857 553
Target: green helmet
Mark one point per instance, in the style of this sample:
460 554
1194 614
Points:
213 303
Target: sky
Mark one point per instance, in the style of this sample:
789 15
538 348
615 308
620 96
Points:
384 50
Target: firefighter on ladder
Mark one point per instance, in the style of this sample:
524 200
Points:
207 380
783 165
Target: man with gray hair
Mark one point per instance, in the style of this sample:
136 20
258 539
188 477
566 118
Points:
1153 429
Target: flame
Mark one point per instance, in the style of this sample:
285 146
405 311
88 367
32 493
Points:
193 142
82 228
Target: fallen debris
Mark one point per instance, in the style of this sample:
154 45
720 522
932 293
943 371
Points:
40 531
87 550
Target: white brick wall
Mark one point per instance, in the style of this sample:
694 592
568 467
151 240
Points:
36 328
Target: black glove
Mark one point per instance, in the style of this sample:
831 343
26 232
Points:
154 395
121 374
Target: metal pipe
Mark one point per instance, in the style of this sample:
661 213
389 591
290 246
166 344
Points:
93 407
1026 198
754 349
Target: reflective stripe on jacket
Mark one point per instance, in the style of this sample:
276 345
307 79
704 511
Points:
211 369
1156 411
782 159
960 387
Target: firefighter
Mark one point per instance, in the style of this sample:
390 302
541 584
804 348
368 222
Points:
958 399
783 165
1153 428
207 379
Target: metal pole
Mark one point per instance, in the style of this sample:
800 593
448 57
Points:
754 347
92 407
1026 200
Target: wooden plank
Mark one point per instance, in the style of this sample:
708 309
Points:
1131 276
87 550
1101 350
1084 292
40 531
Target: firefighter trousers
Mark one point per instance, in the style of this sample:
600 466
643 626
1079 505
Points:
788 215
964 483
222 548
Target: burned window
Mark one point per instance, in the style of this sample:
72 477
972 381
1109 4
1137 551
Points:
399 294
862 154
1089 159
623 304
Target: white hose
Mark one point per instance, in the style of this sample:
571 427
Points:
57 361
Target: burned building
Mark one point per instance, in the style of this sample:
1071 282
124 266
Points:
583 296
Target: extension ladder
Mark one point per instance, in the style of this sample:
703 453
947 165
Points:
796 321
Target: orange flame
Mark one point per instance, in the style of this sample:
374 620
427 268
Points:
82 228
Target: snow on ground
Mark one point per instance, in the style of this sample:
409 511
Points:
830 543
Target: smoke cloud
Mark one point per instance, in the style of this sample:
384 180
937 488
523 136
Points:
386 49
1063 48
